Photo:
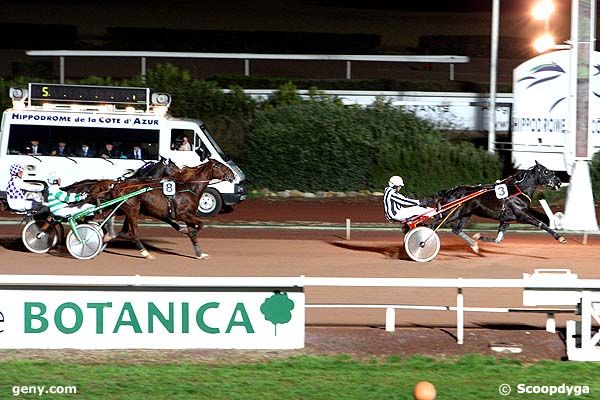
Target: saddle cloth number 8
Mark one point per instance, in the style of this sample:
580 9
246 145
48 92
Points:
168 188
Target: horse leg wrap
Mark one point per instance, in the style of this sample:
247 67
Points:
110 227
471 242
500 237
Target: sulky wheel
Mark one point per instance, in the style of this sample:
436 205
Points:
97 225
90 244
39 236
422 244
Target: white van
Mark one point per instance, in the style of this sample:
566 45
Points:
49 125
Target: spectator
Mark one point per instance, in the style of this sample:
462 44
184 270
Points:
34 148
60 149
138 153
185 144
85 151
109 151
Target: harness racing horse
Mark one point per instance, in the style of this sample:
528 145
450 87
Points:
515 207
98 189
190 184
150 170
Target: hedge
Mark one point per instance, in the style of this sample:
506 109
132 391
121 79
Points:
319 145
286 142
257 82
595 176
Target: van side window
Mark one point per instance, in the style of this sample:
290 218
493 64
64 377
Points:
54 140
183 139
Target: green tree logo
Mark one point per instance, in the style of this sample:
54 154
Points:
277 309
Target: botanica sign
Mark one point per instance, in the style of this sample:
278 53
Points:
151 319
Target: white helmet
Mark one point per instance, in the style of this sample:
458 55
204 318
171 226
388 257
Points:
52 178
396 181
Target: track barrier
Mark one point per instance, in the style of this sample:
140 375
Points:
249 312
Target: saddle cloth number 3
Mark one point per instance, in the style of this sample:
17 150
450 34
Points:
168 188
501 191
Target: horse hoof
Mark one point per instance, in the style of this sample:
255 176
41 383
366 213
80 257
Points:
203 256
475 248
476 236
147 255
107 238
562 240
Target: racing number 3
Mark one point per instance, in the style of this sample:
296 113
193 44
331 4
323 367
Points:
501 191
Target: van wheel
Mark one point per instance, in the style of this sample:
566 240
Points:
210 203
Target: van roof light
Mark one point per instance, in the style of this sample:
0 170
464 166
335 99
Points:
18 94
161 99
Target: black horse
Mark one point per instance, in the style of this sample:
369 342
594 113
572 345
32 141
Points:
515 207
164 167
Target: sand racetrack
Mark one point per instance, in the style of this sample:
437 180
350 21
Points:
236 251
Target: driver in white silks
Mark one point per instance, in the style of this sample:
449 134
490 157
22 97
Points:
399 207
17 189
58 200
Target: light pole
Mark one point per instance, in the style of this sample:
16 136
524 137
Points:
493 69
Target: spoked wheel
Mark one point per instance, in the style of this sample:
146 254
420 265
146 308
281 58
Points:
97 225
90 244
422 244
39 236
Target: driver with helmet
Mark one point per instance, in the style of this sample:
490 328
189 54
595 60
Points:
58 200
399 207
17 188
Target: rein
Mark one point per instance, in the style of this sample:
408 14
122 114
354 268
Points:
185 183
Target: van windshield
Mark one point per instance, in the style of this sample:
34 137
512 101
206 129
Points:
214 143
71 141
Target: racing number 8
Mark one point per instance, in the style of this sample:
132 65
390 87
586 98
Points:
168 188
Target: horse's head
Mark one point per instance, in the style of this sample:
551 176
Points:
160 169
208 171
543 176
221 171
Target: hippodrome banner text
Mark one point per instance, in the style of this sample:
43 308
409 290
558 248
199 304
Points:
53 319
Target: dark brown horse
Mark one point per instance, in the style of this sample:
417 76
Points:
99 190
189 183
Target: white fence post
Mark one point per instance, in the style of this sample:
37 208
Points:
348 228
460 317
550 323
390 319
